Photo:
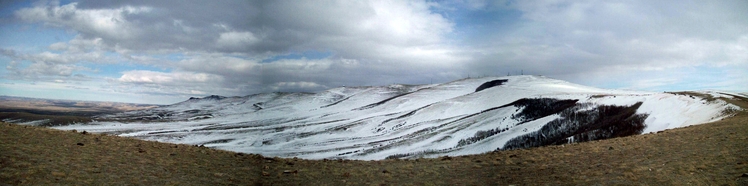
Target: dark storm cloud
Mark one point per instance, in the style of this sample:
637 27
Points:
375 34
263 26
238 47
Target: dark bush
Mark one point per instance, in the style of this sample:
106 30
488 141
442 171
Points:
537 108
602 122
480 135
531 109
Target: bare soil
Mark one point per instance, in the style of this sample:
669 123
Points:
708 154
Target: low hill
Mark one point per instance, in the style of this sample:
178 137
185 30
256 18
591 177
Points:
463 117
708 154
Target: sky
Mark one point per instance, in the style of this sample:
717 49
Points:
163 52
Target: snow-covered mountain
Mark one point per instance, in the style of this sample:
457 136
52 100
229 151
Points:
467 116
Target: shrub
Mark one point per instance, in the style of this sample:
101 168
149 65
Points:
577 125
491 84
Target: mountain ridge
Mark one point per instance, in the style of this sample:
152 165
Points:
408 121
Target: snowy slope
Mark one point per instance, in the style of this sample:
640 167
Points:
411 121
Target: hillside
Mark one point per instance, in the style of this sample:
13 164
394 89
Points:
677 147
708 154
467 116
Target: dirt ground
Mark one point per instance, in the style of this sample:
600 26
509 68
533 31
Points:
707 154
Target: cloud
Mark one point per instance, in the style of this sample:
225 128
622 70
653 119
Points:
78 45
110 23
577 40
219 64
374 34
236 39
302 85
166 83
44 71
151 77
253 27
65 60
246 47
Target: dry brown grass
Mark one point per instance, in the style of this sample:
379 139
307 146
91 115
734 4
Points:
708 154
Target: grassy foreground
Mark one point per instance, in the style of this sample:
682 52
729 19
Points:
708 154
